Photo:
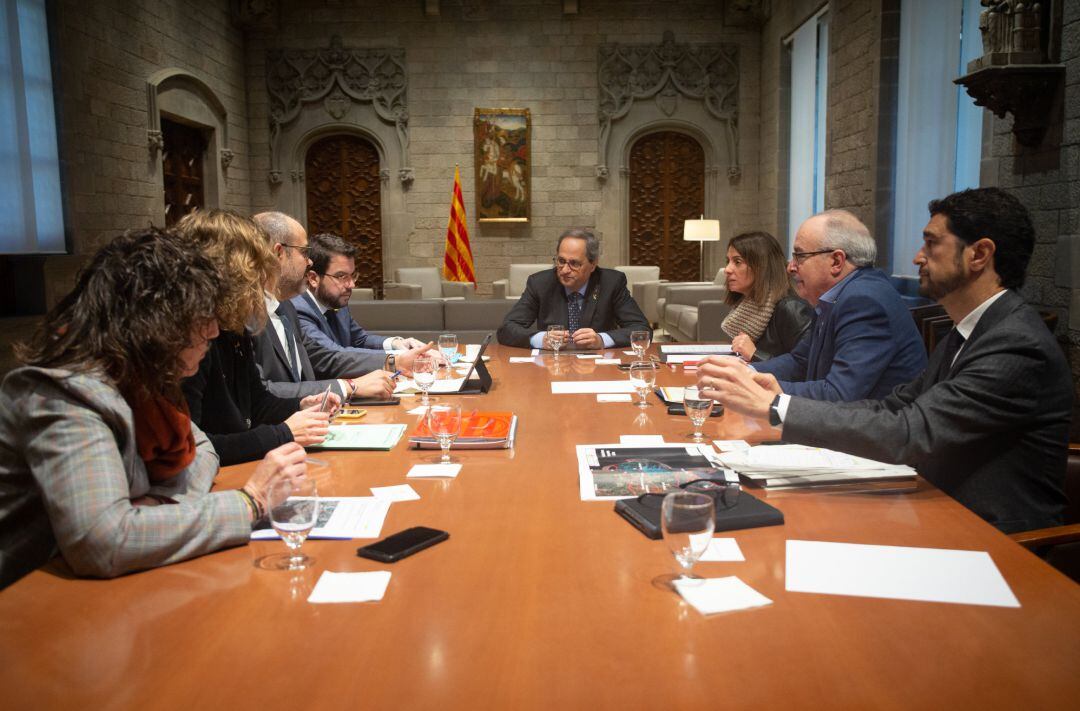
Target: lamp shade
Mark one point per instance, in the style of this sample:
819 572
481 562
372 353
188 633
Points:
701 230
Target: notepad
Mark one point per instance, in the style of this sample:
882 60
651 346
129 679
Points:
375 437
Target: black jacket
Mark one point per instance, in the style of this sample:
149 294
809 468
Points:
229 402
790 319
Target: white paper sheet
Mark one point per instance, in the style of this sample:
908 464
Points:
401 492
714 595
705 348
629 353
350 587
418 410
897 572
423 471
342 517
522 359
687 358
535 351
731 445
589 356
578 387
641 439
608 361
722 550
614 397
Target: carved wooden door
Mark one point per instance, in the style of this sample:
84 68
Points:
667 186
342 178
182 167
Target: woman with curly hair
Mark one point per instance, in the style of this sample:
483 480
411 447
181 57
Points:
227 396
99 460
767 318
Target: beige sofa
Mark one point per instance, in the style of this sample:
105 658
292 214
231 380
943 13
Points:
514 285
425 283
470 319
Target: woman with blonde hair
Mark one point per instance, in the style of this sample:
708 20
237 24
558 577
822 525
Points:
227 396
767 319
99 461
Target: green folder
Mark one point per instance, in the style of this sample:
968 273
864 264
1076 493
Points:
376 437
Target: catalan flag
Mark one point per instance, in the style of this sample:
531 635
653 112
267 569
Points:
458 261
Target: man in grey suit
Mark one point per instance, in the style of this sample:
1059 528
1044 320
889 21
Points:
291 364
988 420
592 303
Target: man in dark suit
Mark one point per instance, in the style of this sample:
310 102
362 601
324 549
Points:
988 421
323 307
291 364
593 303
863 342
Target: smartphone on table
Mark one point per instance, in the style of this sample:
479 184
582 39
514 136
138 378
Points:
403 544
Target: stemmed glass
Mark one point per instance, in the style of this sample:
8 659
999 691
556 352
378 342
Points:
698 407
448 346
556 336
294 509
643 378
424 372
639 342
687 520
444 421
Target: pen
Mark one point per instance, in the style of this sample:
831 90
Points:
396 375
325 399
316 462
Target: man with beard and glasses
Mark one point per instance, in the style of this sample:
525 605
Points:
988 420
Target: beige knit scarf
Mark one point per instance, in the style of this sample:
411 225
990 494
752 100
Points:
749 318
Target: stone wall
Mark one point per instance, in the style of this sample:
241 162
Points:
105 52
518 54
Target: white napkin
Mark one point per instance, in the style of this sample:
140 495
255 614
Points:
720 550
401 492
714 595
350 587
434 470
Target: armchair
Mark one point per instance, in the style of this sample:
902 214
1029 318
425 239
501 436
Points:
694 313
513 286
652 295
424 283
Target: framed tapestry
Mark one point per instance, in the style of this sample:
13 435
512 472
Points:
503 161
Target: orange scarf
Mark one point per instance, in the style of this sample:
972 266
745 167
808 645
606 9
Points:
162 434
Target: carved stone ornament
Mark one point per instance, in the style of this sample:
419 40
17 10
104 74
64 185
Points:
384 176
296 175
406 176
254 14
275 177
155 141
226 158
338 77
666 73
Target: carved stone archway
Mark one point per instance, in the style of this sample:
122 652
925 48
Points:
340 80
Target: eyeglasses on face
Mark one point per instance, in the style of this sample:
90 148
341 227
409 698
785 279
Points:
344 277
574 264
800 257
306 251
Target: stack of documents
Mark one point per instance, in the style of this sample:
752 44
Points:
479 430
380 437
792 465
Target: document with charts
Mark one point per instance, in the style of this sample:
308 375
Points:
342 517
608 472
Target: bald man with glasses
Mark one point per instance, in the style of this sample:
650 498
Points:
591 302
862 342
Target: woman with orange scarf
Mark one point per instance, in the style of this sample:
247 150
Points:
99 460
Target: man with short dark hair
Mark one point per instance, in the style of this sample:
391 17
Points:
862 342
988 420
591 302
323 307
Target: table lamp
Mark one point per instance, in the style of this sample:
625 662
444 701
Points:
701 231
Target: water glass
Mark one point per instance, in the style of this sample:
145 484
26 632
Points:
643 378
425 370
444 422
697 408
448 347
687 521
294 509
556 337
639 342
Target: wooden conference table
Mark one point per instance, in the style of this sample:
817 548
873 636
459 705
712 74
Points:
540 600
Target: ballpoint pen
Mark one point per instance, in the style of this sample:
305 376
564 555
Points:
325 400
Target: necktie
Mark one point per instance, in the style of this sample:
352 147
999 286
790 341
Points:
335 327
573 311
290 342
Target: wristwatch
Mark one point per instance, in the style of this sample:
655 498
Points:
391 363
774 412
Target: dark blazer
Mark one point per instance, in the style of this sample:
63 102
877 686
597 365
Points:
230 403
608 308
315 362
336 331
862 345
991 430
790 320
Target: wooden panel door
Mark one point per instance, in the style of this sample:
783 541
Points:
667 186
343 197
182 167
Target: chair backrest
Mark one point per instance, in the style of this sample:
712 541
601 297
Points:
429 279
519 274
720 279
636 273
